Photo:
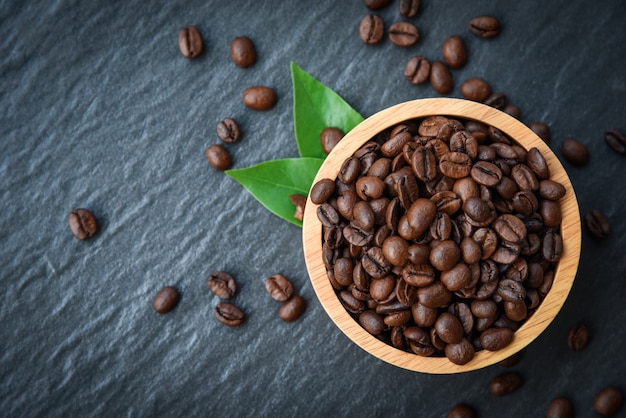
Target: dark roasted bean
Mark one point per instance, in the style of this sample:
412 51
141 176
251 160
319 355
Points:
403 34
616 140
597 224
485 26
228 130
455 52
505 384
575 152
166 299
578 337
243 52
229 314
371 29
222 284
417 70
292 309
82 224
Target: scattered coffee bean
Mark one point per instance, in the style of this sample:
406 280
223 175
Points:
575 152
243 52
229 314
228 130
329 138
371 29
496 100
166 300
417 70
409 8
512 110
279 287
542 130
485 26
292 309
597 224
560 408
462 411
376 4
218 157
403 34
608 401
441 77
455 52
616 140
190 42
259 97
505 384
222 284
578 337
299 201
82 224
475 89
512 360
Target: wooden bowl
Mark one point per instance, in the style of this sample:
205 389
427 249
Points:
565 271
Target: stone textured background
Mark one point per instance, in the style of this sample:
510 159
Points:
100 110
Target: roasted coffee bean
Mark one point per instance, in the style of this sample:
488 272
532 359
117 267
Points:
228 130
190 42
496 100
445 255
243 51
409 8
424 163
524 177
597 224
371 29
461 352
82 223
166 299
560 408
407 190
470 250
550 212
430 126
372 322
434 296
551 190
299 201
455 165
417 70
396 250
382 288
494 339
455 52
575 152
505 384
394 145
478 212
485 26
511 290
418 275
475 89
441 77
462 411
542 130
513 110
369 187
229 314
421 214
486 173
449 328
376 4
322 191
349 171
463 141
375 263
487 239
351 303
419 341
608 401
292 309
259 97
327 215
403 34
616 140
510 228
380 168
222 284
457 277
441 228
363 216
279 287
329 138
218 157
578 337
537 163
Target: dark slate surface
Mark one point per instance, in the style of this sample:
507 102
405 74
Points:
100 110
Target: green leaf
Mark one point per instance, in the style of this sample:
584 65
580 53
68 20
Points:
316 107
272 182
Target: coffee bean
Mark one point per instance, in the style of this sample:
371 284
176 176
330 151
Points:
364 217
259 97
396 250
292 309
409 8
513 110
417 70
444 255
166 300
229 314
279 287
455 165
485 26
424 163
299 201
190 42
597 224
505 384
510 228
461 352
486 173
243 52
494 339
441 77
575 152
455 52
329 138
537 163
218 157
608 401
542 130
421 214
496 100
82 224
475 89
616 140
371 29
372 322
449 328
403 34
321 191
327 215
578 337
376 4
228 130
349 171
560 408
434 296
462 411
222 284
374 262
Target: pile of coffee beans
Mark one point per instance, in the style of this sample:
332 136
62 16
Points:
440 236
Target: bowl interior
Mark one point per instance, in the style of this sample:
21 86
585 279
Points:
565 271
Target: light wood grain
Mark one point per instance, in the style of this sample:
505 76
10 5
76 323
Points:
570 231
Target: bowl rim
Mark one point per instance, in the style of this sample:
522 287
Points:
564 273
